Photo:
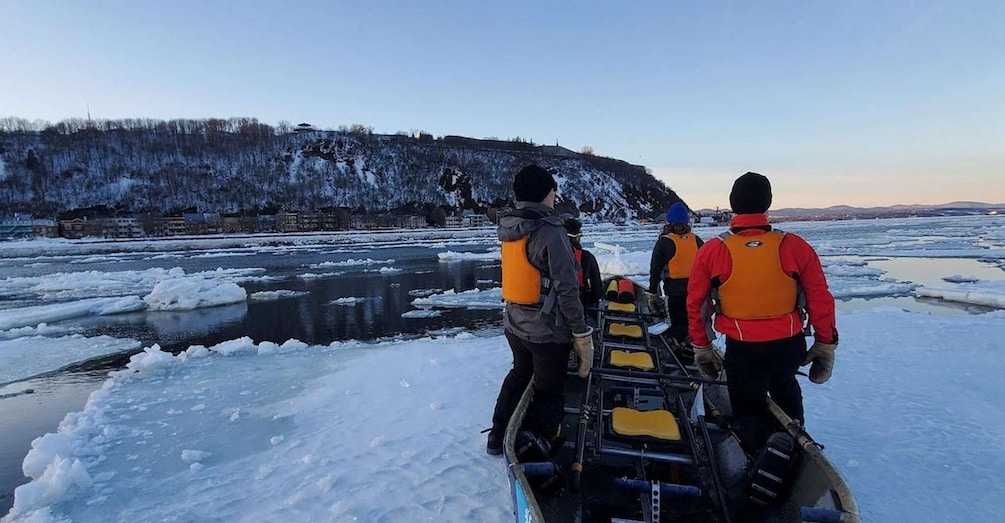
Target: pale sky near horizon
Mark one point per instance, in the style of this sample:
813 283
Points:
854 102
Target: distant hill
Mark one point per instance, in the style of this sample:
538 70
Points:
241 166
903 210
843 212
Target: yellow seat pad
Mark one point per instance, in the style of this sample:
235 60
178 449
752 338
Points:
628 331
658 424
639 360
621 307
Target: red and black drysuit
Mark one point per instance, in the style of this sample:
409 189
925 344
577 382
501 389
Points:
763 351
591 286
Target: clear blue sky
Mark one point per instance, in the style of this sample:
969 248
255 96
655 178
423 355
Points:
848 102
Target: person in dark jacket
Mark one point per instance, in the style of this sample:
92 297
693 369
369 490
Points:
670 265
760 282
588 274
544 317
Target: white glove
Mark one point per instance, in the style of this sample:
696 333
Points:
583 343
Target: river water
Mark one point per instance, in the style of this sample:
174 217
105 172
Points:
33 407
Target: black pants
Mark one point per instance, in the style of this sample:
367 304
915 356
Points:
547 363
676 302
677 315
755 369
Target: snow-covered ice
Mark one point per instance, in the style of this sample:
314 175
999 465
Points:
988 294
29 356
471 299
298 436
910 416
277 294
390 431
448 256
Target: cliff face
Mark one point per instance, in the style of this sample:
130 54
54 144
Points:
168 170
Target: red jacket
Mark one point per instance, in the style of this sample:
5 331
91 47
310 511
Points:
798 258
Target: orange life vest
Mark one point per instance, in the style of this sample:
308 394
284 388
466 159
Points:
757 287
521 281
686 247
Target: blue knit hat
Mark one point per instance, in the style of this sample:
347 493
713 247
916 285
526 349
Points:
678 214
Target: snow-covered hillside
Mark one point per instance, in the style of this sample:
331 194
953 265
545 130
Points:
161 167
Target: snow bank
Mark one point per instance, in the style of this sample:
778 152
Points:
300 436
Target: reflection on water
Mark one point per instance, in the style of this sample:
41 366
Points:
197 322
930 271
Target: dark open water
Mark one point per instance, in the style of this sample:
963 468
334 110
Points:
311 318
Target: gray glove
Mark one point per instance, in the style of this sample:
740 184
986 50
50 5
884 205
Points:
583 343
821 355
708 360
655 302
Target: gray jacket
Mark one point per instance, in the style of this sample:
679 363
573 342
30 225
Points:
549 251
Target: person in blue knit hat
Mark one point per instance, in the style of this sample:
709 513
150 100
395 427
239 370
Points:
671 263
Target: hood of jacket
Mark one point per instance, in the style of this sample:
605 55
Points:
525 218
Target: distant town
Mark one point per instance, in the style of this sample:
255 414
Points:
154 224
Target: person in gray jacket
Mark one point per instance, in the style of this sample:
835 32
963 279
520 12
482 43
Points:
544 317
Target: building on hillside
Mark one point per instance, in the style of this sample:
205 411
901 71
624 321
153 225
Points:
337 219
174 225
121 227
265 223
238 224
203 223
309 221
471 219
19 226
153 223
416 222
44 228
286 221
24 226
77 228
305 127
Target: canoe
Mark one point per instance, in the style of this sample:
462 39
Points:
645 439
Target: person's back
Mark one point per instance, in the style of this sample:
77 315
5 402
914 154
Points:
543 318
756 280
670 265
588 274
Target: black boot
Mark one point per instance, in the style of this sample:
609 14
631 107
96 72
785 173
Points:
494 445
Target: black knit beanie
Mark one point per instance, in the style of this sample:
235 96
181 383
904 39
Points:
532 184
751 194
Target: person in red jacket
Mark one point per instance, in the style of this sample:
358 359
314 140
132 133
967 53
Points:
755 285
